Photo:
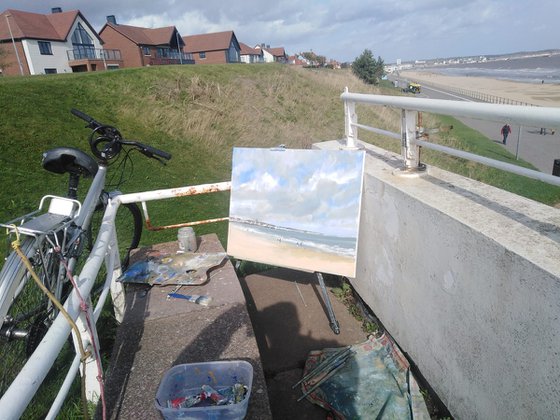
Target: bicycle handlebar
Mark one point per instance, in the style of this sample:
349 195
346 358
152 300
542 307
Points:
91 122
111 137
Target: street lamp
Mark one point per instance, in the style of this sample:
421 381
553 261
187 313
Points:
14 43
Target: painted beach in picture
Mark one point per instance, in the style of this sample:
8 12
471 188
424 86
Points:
296 208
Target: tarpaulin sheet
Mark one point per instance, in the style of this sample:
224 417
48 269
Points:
375 382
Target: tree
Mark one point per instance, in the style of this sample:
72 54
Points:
368 68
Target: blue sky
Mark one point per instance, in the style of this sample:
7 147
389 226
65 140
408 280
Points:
342 29
314 190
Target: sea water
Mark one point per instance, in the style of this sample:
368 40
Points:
529 70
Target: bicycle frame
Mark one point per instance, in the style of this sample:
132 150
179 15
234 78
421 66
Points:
22 389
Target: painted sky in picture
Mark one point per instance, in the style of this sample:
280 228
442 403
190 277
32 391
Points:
296 208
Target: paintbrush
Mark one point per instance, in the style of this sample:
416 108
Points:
198 299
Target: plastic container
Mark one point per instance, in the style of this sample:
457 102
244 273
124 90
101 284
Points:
187 380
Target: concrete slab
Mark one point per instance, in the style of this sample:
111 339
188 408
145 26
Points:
157 334
290 319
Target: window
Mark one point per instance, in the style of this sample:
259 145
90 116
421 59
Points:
202 55
146 51
82 43
112 66
45 48
232 54
50 71
163 52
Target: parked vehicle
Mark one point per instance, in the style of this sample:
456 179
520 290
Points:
412 88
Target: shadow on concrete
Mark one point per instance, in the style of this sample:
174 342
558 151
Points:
127 344
290 320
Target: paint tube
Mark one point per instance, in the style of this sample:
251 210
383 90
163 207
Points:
210 393
184 402
239 392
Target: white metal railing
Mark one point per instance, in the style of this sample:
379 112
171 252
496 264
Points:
105 251
410 136
93 54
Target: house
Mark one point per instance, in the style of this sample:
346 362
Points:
213 48
59 42
272 55
296 60
145 46
250 55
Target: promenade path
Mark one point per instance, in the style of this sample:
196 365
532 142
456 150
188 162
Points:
528 144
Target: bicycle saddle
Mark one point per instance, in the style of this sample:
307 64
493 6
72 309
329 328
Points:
68 159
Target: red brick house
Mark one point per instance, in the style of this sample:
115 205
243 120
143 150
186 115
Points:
59 42
145 46
213 48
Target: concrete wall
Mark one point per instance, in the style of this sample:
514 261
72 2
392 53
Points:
466 278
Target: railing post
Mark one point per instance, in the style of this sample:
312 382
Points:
90 342
410 151
350 118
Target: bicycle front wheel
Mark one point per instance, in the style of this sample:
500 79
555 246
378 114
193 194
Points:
128 227
25 311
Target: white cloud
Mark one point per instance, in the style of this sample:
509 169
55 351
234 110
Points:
342 29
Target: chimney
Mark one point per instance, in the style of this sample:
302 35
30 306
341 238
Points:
56 10
112 19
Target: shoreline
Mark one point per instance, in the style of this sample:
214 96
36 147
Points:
532 93
243 244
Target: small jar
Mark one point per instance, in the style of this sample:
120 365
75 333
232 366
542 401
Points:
187 239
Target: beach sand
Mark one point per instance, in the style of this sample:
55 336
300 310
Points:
246 246
532 93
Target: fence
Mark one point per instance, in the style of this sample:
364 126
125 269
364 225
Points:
479 96
410 135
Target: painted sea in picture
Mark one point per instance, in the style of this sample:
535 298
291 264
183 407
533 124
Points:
296 208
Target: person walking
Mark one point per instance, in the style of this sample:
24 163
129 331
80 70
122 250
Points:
506 129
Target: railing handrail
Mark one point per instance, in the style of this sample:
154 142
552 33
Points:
525 115
94 54
411 139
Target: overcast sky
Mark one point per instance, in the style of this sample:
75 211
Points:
342 29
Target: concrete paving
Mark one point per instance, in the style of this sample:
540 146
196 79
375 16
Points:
527 144
271 319
157 334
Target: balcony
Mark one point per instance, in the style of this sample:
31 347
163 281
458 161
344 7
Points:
93 59
94 54
171 57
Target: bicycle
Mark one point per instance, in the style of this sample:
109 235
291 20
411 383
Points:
54 237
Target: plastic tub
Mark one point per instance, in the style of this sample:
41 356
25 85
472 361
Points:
187 380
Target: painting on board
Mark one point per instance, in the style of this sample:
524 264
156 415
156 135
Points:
296 208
